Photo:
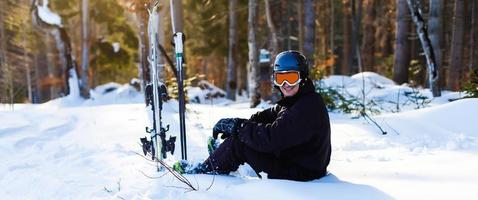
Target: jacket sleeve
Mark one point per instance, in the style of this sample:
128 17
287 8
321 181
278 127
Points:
292 127
266 116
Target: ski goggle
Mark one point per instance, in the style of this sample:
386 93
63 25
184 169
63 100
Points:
291 77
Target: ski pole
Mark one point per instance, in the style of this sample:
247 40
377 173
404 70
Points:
178 46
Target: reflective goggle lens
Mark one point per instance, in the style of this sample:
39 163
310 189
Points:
292 78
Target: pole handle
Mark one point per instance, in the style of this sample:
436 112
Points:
178 43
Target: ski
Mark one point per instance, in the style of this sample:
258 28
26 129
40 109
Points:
155 94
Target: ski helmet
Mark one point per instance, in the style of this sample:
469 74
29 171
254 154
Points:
291 61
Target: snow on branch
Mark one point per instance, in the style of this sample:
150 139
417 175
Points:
47 16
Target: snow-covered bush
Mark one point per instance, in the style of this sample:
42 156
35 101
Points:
205 92
370 93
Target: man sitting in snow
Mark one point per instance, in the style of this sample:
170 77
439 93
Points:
288 141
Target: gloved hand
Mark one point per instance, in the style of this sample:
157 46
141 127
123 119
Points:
226 126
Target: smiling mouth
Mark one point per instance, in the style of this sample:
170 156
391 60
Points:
288 88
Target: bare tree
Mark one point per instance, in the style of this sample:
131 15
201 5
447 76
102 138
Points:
336 68
368 47
435 30
161 41
273 30
300 19
63 44
253 68
231 68
26 61
84 83
5 71
347 51
416 10
402 48
473 66
54 89
141 12
282 17
356 8
455 73
385 32
177 16
309 31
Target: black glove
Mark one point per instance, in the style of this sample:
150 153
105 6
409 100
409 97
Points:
226 126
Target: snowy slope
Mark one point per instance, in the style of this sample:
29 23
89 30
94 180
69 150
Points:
74 149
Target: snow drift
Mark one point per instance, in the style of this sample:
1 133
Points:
77 149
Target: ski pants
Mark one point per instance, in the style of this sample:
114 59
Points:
232 153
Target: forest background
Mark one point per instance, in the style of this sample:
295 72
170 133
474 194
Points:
107 41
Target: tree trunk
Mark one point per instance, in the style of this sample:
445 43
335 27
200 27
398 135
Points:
253 70
455 73
70 69
28 76
347 50
156 40
435 30
473 66
289 24
144 69
402 48
6 76
272 94
161 41
309 31
273 30
232 51
54 90
283 19
38 68
322 30
300 19
356 55
177 16
336 68
85 61
368 47
63 44
416 10
385 34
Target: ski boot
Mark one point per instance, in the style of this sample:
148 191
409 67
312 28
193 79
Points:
212 144
184 167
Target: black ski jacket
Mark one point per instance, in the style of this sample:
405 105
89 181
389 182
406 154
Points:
296 131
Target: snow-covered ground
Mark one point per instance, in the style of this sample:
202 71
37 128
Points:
73 149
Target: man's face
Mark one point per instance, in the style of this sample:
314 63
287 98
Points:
288 90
